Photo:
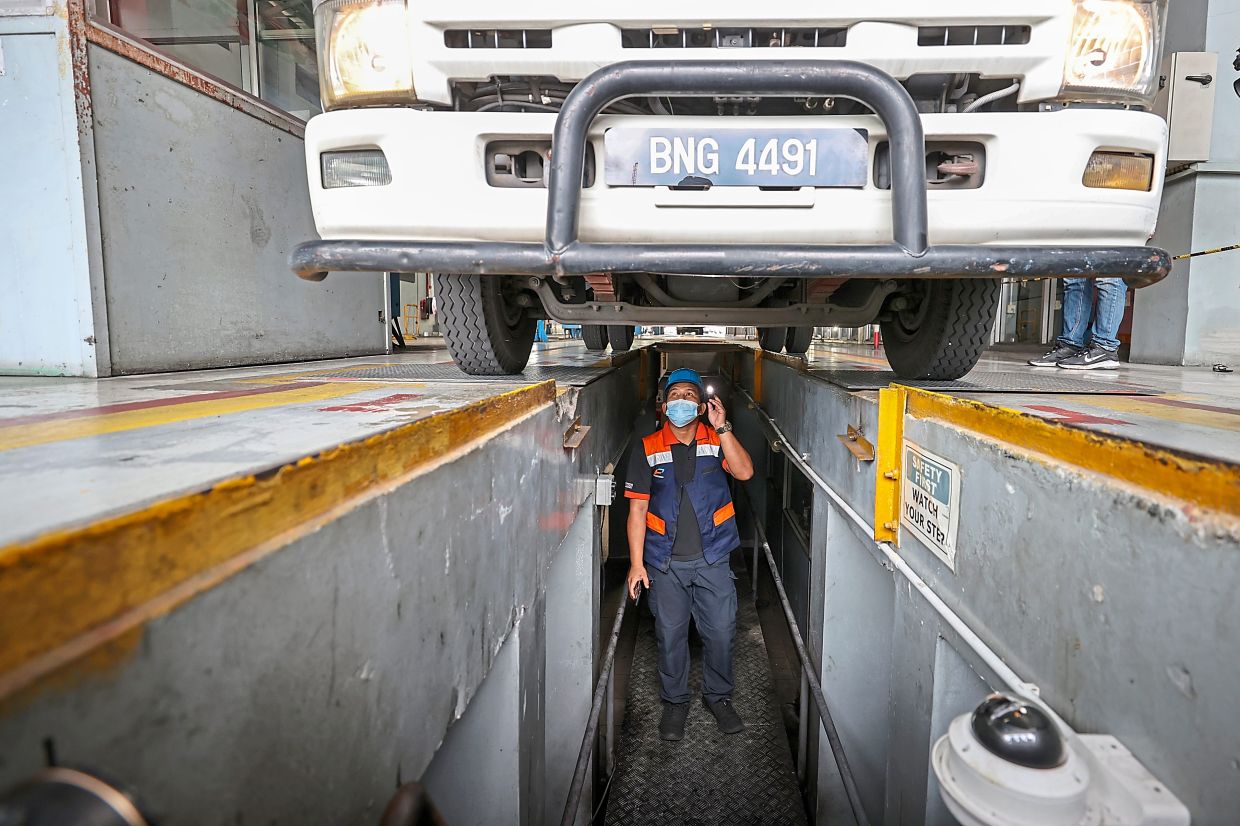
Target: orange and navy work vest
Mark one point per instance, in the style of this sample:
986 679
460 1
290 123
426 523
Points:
708 492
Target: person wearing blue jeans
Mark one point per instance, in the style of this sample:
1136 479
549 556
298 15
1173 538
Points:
1083 316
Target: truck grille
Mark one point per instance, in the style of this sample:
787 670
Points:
732 38
973 35
497 38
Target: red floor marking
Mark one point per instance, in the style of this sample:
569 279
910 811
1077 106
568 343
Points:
373 406
123 407
1192 405
1073 417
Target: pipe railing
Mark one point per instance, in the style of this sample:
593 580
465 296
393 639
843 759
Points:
601 690
809 675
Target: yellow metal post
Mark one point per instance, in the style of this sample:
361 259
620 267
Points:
888 464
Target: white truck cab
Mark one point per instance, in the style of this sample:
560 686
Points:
663 164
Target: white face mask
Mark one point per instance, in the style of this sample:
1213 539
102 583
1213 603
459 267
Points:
681 412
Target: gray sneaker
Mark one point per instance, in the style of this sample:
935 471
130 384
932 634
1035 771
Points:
1093 358
1052 359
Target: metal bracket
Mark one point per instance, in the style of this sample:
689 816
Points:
857 444
576 434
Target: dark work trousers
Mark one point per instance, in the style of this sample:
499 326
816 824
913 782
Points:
708 594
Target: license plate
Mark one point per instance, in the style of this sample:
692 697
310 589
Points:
736 157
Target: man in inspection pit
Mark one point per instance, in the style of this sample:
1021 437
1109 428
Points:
682 531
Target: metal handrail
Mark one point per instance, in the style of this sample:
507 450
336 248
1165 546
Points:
600 693
808 670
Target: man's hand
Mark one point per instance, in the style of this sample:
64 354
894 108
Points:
637 573
736 459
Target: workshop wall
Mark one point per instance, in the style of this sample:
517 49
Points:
200 204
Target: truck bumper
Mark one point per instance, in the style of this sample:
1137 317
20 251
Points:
1032 215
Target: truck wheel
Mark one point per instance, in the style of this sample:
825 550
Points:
487 333
620 336
942 333
799 340
772 339
595 336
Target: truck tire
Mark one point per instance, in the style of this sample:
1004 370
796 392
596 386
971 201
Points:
595 336
486 332
772 339
799 340
620 336
943 335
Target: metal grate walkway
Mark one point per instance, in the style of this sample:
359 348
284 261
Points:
707 779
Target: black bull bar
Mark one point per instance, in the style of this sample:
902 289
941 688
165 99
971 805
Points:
910 254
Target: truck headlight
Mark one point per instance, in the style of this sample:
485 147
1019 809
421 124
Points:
364 54
1115 50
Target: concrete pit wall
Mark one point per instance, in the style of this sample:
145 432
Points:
1118 604
304 688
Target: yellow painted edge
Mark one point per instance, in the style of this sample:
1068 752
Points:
1209 485
62 585
59 430
888 464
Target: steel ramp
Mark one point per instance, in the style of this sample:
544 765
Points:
707 779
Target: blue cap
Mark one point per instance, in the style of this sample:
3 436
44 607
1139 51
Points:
682 375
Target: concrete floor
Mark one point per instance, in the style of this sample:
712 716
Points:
112 445
76 450
1191 410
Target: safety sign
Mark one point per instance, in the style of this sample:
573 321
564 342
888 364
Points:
930 504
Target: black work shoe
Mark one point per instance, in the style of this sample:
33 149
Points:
672 724
729 721
1052 359
1094 358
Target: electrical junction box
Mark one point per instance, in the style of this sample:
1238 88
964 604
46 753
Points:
1187 86
604 489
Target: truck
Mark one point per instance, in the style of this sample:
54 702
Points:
785 167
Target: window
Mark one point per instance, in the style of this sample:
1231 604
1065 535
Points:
263 47
1022 313
799 506
288 75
